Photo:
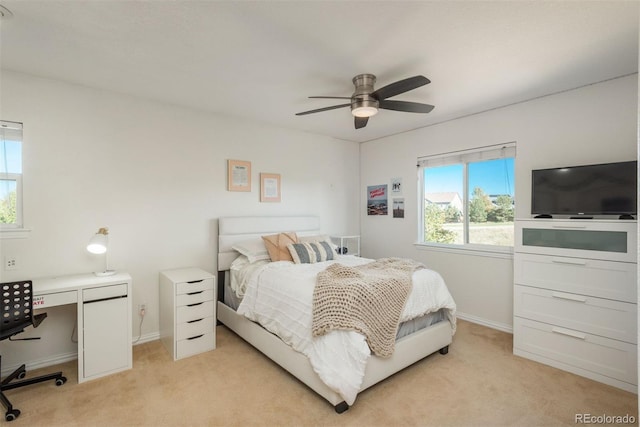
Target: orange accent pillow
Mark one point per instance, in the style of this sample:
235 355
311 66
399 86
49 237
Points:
276 245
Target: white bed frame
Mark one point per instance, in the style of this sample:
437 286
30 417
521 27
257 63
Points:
408 349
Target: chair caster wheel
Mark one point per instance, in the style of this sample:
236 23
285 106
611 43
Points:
22 374
60 381
12 415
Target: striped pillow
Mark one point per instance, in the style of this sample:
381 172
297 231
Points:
311 252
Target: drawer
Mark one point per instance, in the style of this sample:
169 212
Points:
604 279
104 292
194 286
191 346
194 297
194 328
607 318
55 299
611 358
186 313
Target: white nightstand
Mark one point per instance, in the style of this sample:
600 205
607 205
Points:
187 311
350 243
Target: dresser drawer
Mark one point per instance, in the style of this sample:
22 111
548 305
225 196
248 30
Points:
604 279
194 327
194 286
194 297
607 318
611 358
195 345
186 313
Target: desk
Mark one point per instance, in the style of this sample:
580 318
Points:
104 318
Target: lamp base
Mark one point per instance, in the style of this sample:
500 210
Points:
104 273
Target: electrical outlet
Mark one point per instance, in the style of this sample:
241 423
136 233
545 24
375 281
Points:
11 263
142 309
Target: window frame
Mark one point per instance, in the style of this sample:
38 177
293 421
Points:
464 157
16 229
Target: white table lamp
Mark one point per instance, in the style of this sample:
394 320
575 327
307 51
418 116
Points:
98 245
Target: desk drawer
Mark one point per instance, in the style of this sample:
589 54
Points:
55 299
194 312
199 285
194 297
607 318
194 328
614 359
104 292
195 345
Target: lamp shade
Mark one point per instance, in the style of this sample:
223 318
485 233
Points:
98 243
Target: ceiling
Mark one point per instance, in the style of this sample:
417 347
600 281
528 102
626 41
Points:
259 61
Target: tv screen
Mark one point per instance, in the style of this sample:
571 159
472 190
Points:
604 189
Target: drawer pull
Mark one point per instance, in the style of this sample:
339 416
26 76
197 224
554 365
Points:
194 293
569 261
194 321
196 337
194 304
196 281
569 333
569 297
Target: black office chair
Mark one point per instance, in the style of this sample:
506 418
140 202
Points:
17 314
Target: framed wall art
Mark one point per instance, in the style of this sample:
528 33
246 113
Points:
269 187
238 175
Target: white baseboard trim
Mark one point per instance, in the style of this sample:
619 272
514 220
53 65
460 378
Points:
146 338
484 322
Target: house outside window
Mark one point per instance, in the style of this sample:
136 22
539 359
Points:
467 198
10 175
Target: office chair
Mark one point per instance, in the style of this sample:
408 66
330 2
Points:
17 314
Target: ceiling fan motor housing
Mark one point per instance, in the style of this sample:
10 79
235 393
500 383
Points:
362 103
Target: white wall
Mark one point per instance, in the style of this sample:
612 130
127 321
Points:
593 124
155 174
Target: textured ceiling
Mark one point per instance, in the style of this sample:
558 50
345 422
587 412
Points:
261 60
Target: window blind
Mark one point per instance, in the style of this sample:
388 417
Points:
491 152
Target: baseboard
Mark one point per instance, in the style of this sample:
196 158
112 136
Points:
146 338
484 322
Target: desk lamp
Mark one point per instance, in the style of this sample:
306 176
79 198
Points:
98 245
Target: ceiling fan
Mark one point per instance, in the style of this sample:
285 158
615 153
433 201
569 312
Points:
366 101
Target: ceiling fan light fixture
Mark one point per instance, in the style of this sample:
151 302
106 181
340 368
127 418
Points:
364 111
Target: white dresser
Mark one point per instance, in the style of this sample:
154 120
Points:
187 311
575 297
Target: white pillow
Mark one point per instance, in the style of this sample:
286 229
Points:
253 249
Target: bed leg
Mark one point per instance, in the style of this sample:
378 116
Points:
444 350
341 407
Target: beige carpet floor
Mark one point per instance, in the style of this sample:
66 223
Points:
479 383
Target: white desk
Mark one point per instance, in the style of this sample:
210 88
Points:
104 318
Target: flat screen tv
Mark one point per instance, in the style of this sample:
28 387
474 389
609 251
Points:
603 189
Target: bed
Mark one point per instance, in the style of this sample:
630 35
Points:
410 348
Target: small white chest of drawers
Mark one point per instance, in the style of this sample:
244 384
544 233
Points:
575 297
187 311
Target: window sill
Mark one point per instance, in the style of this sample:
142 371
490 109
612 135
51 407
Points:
14 233
475 250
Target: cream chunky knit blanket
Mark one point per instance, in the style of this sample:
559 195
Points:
368 298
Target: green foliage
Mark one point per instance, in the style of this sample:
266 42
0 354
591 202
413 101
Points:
8 209
479 205
503 210
452 214
434 218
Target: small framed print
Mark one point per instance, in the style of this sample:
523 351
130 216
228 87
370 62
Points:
269 187
238 175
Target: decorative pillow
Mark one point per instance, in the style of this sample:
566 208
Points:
277 245
317 238
310 253
254 250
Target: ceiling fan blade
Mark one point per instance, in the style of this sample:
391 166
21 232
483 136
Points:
401 86
330 97
409 107
333 107
361 122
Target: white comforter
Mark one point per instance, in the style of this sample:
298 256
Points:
279 296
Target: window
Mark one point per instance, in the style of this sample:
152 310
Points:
467 198
10 175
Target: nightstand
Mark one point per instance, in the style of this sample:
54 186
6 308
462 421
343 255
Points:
187 311
347 245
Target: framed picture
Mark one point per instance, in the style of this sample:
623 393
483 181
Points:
398 208
269 187
377 199
238 175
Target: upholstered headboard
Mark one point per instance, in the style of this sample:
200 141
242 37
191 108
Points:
236 229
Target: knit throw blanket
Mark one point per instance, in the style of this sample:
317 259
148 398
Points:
368 299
